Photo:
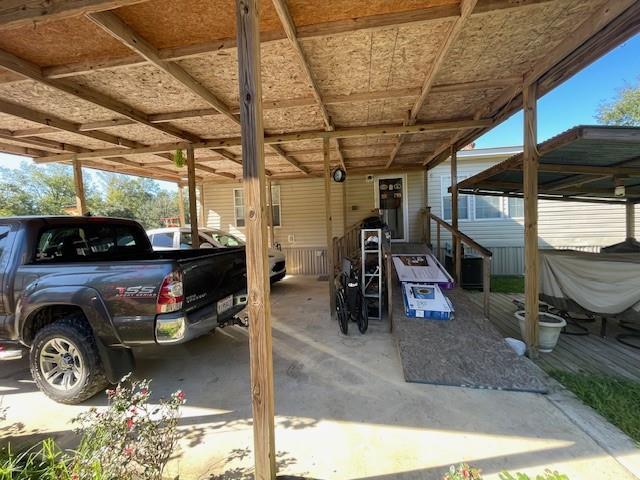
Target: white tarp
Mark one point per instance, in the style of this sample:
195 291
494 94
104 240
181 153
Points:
607 284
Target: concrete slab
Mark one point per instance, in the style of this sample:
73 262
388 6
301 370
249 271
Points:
343 408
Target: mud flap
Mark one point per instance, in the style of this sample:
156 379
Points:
117 362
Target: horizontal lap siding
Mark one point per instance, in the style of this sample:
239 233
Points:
561 225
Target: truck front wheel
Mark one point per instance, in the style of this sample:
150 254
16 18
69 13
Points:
65 363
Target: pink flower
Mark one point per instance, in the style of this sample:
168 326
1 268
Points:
110 393
144 391
129 423
128 451
180 395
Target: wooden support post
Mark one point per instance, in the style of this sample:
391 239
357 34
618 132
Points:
181 217
344 207
191 186
457 245
530 188
630 219
81 203
327 210
259 304
388 269
486 284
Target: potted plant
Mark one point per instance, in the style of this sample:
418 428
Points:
549 326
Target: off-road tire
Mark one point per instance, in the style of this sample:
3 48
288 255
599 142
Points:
72 328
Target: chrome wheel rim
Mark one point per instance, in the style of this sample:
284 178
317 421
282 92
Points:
60 364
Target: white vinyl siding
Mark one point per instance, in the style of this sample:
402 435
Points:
561 224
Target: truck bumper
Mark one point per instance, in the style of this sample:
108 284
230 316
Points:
180 327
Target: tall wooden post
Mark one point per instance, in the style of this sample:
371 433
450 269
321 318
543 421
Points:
81 203
191 186
328 221
259 305
457 245
181 217
630 219
427 232
530 188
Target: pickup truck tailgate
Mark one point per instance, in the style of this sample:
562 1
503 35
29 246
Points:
212 277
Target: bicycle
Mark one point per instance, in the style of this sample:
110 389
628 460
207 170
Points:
351 304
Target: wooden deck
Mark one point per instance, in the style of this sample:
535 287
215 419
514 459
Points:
589 353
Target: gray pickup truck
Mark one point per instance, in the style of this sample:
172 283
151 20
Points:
79 292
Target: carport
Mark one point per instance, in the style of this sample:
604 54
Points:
282 90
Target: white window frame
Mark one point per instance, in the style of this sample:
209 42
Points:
503 215
236 206
444 191
279 204
508 210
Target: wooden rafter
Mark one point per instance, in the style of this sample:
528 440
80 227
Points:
569 54
14 13
290 31
285 138
33 72
466 7
429 14
112 24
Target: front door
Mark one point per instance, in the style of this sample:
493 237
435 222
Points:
391 199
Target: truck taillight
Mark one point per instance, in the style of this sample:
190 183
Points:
171 293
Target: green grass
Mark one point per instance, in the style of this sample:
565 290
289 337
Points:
616 399
507 284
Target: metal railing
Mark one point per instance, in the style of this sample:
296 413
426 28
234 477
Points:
458 236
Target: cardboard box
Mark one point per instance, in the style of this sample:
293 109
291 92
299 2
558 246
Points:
421 268
426 301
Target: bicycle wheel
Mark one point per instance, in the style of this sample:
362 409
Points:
363 315
341 312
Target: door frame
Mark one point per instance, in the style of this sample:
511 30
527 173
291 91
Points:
405 201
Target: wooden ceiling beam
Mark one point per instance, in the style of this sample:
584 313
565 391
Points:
34 72
371 130
466 7
38 142
290 31
15 13
24 151
510 100
114 26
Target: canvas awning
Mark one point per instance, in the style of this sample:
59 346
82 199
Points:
585 163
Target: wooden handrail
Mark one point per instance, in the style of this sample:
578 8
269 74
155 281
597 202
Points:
463 238
485 253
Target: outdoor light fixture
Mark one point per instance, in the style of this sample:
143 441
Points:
339 175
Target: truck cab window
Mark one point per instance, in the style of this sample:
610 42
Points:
86 242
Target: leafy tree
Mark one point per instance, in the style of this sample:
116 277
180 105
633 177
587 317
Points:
623 110
49 190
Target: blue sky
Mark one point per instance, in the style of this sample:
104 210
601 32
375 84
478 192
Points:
574 102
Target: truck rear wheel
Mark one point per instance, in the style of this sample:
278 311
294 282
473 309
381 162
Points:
65 363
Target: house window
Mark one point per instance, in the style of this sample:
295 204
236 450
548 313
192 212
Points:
488 207
238 205
516 207
463 200
275 201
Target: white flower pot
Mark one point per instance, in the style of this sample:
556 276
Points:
549 326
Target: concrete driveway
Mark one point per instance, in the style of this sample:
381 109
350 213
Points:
343 409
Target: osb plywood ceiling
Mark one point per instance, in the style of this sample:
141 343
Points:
121 84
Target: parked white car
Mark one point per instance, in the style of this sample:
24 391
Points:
174 238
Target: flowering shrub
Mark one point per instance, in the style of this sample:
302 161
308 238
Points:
465 472
462 472
129 440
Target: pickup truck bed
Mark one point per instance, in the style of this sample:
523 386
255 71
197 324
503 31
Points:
101 276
